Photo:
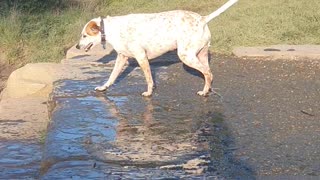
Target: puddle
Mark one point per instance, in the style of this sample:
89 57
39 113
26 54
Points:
147 131
166 133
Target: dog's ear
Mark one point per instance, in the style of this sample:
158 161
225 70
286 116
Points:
92 28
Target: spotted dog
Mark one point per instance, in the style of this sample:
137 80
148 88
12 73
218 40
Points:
147 36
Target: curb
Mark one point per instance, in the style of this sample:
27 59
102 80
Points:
290 52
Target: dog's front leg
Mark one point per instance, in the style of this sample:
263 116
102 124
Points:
144 65
120 62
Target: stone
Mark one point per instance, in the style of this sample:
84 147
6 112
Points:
31 80
36 80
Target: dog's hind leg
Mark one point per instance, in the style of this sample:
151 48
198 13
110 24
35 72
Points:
203 57
191 60
120 62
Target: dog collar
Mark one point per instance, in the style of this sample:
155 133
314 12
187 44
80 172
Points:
103 35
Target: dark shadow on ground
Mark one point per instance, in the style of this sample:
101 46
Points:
165 60
222 151
107 58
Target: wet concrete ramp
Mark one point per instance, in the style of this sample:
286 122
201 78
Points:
120 134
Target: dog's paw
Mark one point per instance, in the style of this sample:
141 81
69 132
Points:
202 93
100 88
146 94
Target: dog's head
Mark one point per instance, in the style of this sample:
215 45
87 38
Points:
92 34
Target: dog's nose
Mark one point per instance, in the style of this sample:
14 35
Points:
78 46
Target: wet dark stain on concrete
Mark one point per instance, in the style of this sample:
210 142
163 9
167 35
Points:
271 49
274 49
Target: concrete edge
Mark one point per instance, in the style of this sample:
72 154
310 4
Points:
274 52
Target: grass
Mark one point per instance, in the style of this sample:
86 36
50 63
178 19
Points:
42 137
45 36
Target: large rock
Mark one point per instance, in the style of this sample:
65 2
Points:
35 80
31 80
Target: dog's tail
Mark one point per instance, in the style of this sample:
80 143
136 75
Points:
220 10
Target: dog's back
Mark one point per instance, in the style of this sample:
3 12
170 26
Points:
157 33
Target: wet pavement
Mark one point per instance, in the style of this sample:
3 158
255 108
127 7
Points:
262 122
20 160
165 136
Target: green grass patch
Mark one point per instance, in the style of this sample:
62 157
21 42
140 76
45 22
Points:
42 137
28 35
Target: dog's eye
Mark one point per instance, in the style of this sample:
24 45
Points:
84 36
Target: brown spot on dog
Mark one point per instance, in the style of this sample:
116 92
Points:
92 29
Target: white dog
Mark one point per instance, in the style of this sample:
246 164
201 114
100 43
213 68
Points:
147 36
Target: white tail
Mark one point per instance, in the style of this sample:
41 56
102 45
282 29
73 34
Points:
220 10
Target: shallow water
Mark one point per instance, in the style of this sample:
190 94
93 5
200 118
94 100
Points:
122 128
20 160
